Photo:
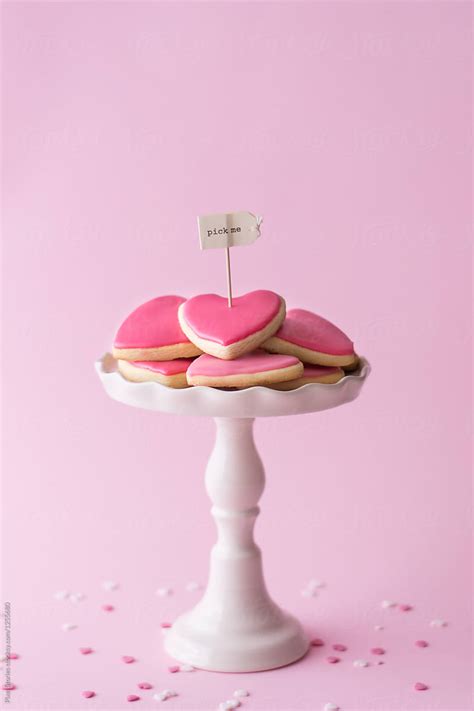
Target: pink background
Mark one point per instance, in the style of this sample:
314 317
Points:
347 125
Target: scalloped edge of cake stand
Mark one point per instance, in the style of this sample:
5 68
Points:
204 401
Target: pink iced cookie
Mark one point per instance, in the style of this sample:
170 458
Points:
152 332
312 339
167 372
229 332
313 374
258 368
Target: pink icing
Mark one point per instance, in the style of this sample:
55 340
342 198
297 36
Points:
165 367
210 317
308 330
152 325
256 362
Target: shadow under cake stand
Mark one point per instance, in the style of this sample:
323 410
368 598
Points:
236 626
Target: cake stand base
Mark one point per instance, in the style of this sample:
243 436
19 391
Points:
236 627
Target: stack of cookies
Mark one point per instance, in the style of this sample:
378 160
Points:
201 341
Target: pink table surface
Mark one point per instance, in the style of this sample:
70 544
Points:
347 125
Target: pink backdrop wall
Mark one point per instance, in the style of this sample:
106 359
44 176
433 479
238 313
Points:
347 125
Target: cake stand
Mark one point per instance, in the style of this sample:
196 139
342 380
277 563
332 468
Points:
236 626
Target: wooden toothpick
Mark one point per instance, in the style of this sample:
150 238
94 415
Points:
229 278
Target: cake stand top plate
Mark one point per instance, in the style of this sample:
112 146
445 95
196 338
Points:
203 401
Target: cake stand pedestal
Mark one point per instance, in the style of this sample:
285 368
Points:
236 626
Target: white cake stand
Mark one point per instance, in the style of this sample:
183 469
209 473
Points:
236 626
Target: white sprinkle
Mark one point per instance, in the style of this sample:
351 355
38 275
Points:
331 707
61 595
164 592
229 704
186 668
68 626
438 623
377 628
240 693
193 585
309 593
110 585
77 597
315 584
360 663
387 603
165 694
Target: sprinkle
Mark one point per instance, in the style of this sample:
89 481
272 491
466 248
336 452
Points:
333 660
133 697
127 659
68 626
405 608
419 686
173 669
378 628
61 595
438 623
88 694
387 603
339 647
359 663
192 586
108 608
145 685
240 693
110 585
309 593
13 655
421 643
164 592
377 650
229 704
316 642
8 687
86 650
77 597
165 625
330 707
186 668
315 584
165 694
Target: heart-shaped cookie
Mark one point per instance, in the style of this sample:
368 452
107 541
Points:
312 339
229 332
257 368
313 374
152 332
167 372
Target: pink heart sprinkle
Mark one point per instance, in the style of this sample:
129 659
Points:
405 608
133 697
377 650
86 650
317 642
173 669
13 655
339 647
108 608
145 685
421 643
128 660
333 660
88 694
166 625
8 687
419 686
